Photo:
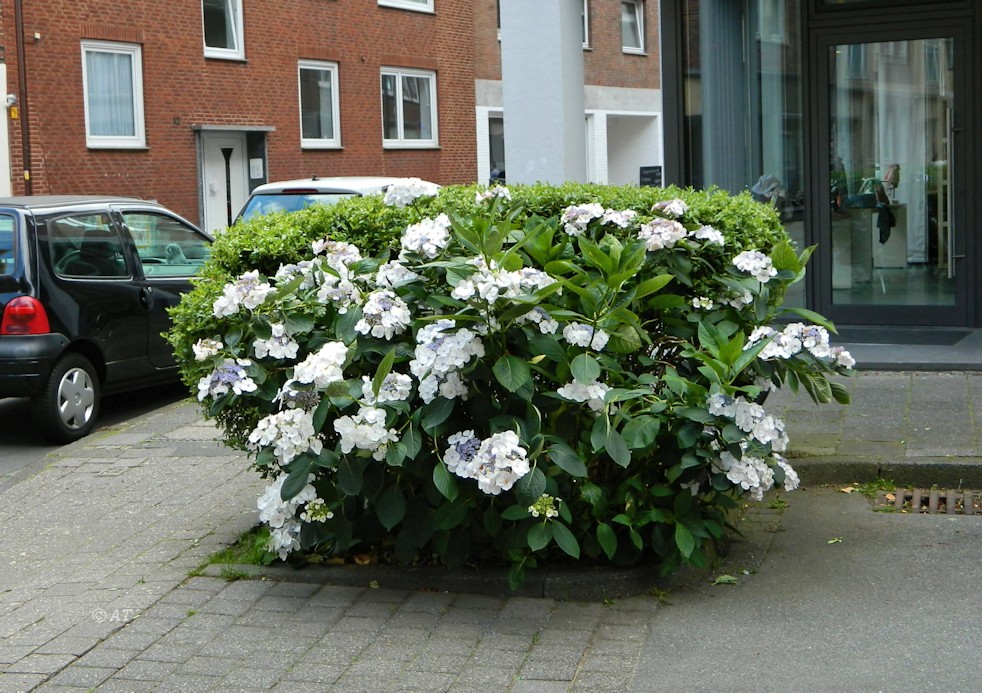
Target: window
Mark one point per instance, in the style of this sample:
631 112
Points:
632 26
223 29
112 84
319 105
408 108
585 14
418 5
86 245
7 246
167 247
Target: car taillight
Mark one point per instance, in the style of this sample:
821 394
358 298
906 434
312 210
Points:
24 315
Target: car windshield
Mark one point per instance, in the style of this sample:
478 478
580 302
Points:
6 244
287 202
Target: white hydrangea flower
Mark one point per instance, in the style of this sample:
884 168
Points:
384 315
585 336
304 268
428 237
576 218
290 432
738 301
720 404
496 462
622 218
702 303
366 431
440 352
316 511
395 387
405 191
497 191
322 367
280 515
206 348
710 235
749 473
661 233
338 289
755 263
841 357
791 480
540 317
248 291
280 345
592 393
393 274
673 208
228 376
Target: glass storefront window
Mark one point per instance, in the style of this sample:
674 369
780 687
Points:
890 109
743 116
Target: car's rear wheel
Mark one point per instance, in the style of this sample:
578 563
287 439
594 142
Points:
68 405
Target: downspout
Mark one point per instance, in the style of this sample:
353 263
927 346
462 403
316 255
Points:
25 127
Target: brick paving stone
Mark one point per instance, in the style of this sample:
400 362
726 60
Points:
335 596
539 686
439 662
552 663
310 672
19 682
486 677
186 683
424 681
601 682
87 677
216 667
144 670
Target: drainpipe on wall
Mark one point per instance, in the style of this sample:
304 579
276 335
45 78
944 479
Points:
25 127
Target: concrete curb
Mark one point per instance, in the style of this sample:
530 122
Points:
955 472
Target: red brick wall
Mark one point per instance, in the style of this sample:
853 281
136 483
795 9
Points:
182 89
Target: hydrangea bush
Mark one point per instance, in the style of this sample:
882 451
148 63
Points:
586 381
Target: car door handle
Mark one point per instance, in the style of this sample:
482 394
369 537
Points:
146 297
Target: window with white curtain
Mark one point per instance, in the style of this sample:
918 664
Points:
112 85
632 26
408 108
223 29
585 17
319 121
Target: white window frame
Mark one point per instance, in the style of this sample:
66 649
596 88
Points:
639 18
401 142
238 35
411 5
322 142
138 140
586 23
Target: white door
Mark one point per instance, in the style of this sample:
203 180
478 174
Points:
224 174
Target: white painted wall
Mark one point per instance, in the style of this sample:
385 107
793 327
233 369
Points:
542 76
632 142
5 173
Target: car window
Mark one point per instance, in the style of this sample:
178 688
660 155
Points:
6 244
86 245
167 246
287 202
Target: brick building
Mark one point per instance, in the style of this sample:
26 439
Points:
194 102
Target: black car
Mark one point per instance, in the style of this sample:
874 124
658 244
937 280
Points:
85 283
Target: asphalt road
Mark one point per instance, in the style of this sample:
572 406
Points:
23 450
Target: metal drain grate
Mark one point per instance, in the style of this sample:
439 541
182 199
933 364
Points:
931 501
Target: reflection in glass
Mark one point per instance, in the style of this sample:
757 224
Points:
743 120
890 111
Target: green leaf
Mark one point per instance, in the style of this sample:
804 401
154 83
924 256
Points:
450 515
617 448
585 369
567 459
384 368
607 539
345 325
594 256
391 507
539 536
839 393
530 487
592 494
515 512
413 440
812 316
512 372
296 479
350 472
640 432
548 346
684 540
320 414
436 412
783 257
652 285
444 482
565 539
725 580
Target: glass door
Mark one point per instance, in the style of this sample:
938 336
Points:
889 156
